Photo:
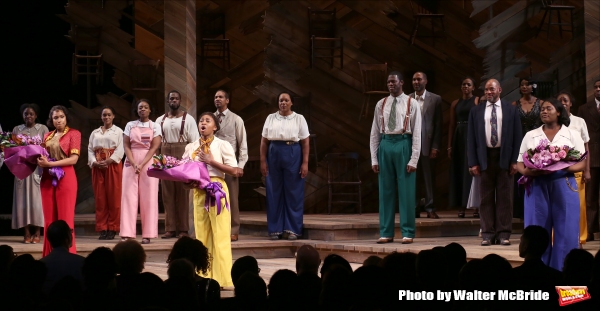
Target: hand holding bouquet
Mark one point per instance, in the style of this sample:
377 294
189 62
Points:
189 172
546 157
21 153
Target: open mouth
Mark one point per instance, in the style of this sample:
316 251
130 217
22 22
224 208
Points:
202 128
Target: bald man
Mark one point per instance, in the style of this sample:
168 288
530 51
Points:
493 142
307 260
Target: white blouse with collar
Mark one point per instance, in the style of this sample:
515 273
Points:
285 128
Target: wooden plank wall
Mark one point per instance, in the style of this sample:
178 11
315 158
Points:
592 45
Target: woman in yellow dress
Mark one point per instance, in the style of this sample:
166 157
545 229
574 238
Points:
213 224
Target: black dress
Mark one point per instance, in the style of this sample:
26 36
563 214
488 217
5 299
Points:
460 179
529 121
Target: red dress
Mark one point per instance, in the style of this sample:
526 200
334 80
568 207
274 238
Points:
58 203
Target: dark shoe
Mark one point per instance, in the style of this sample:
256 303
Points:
461 214
274 237
432 215
418 213
407 240
476 213
234 237
110 235
292 237
182 234
145 241
486 242
385 240
168 235
102 235
505 242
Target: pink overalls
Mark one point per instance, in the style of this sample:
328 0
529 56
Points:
139 188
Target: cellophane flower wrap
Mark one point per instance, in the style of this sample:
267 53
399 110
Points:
186 170
21 153
546 157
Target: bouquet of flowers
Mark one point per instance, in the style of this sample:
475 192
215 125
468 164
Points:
187 171
21 153
549 158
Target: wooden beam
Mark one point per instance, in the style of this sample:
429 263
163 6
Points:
480 5
180 51
591 10
506 23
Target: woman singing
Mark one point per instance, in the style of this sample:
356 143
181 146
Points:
105 151
554 200
460 187
284 161
213 229
578 125
141 139
63 144
27 199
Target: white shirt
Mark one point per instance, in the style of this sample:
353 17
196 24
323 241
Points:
286 128
130 124
221 151
488 124
597 103
111 139
172 126
579 126
414 126
565 136
234 132
421 101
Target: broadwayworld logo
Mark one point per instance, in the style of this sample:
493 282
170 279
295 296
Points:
571 294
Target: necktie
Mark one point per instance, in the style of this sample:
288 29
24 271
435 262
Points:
392 120
220 117
494 123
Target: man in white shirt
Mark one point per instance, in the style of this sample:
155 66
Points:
395 145
590 112
178 129
431 136
493 143
233 131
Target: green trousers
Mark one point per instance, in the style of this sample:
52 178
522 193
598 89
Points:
396 185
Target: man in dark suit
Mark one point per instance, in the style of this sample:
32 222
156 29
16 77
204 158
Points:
431 135
493 143
590 112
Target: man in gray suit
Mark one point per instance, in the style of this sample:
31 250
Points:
431 135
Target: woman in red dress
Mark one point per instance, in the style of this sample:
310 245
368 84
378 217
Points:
64 145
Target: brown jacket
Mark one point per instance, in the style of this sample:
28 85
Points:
589 112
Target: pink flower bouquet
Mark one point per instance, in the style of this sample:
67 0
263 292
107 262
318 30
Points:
21 153
549 158
187 171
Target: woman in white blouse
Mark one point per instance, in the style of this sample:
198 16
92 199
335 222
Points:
578 124
284 149
141 139
553 202
105 151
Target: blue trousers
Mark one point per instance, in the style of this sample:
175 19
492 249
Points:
285 189
396 186
554 204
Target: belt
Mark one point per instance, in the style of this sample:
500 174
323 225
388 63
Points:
103 154
285 142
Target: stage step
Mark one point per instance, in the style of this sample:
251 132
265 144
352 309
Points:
344 227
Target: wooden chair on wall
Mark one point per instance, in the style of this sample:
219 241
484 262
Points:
253 179
322 36
302 106
550 6
342 172
212 26
374 79
144 74
420 12
87 59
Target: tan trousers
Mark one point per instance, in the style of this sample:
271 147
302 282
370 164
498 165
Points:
233 183
175 197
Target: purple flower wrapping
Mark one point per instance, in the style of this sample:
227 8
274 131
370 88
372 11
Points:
22 160
539 164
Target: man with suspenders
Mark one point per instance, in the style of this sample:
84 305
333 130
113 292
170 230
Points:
178 129
395 145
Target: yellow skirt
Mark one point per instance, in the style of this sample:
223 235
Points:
214 231
582 214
